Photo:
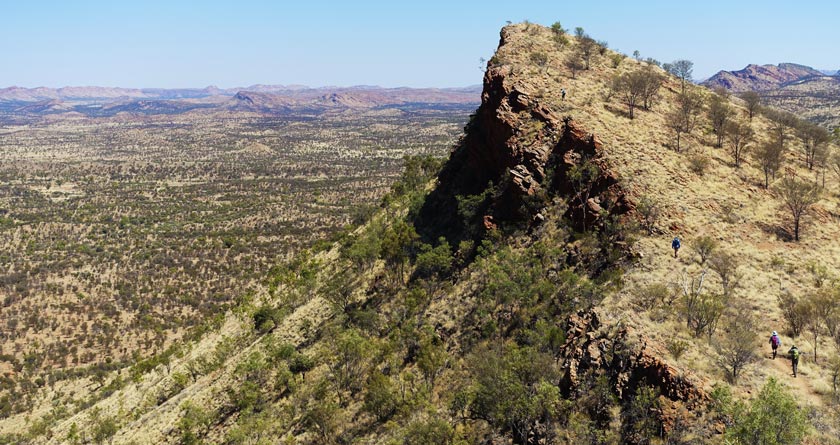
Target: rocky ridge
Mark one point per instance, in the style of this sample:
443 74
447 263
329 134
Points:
761 77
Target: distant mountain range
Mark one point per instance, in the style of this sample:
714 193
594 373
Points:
104 101
805 91
761 77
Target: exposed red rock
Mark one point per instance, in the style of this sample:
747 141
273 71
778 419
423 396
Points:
512 141
606 350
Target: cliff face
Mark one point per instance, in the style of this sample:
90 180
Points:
521 149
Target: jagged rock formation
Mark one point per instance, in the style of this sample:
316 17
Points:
592 345
522 148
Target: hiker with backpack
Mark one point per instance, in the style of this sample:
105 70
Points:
775 342
794 358
675 244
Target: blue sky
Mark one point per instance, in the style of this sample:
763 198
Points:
390 43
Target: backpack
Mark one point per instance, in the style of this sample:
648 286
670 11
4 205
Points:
794 353
776 341
675 244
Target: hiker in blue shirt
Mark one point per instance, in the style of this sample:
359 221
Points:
675 244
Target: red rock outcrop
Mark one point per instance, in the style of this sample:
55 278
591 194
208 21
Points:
514 141
606 350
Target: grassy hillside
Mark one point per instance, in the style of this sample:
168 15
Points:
815 99
547 311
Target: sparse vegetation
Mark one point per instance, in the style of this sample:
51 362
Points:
547 329
798 196
720 113
682 119
753 101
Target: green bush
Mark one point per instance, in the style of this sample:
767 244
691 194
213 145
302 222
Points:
772 418
429 432
698 163
676 347
704 246
266 318
380 398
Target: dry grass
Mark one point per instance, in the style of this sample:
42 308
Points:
727 204
693 206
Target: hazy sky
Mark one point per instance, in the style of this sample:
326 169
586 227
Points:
175 43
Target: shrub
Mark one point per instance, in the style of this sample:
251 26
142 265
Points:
649 211
698 163
737 345
795 312
704 246
429 432
380 399
539 58
266 318
652 295
677 347
773 418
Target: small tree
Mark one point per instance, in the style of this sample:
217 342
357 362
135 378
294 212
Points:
639 420
737 344
349 360
683 117
795 312
752 100
704 246
769 157
649 212
339 291
701 310
719 113
683 70
380 397
740 135
587 47
582 176
559 34
397 245
651 83
798 196
725 265
814 143
194 423
823 314
574 65
630 89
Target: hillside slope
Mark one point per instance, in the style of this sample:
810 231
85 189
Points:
816 99
514 300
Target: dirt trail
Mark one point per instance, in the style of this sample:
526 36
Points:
781 369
